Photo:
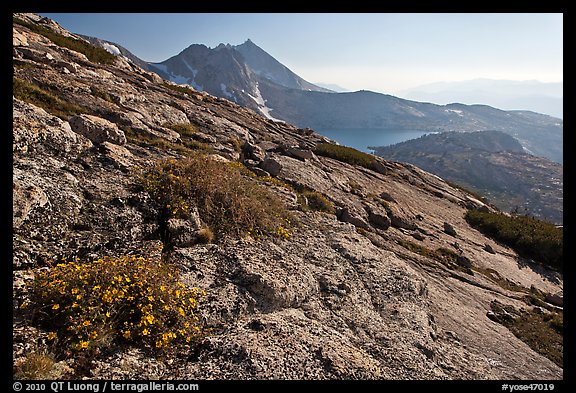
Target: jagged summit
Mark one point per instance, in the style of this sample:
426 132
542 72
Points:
363 268
268 67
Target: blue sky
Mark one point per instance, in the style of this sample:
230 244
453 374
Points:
383 52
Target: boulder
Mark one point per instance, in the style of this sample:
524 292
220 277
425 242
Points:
556 299
449 229
184 232
33 128
463 261
377 216
118 155
253 152
488 248
271 165
379 167
25 198
398 221
18 38
97 129
387 196
39 56
301 154
350 216
204 138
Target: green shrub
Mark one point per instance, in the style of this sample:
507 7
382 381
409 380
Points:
96 305
345 154
45 99
96 92
228 201
530 237
185 148
318 202
184 129
93 53
180 89
556 321
540 331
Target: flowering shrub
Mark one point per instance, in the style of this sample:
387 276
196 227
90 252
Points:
89 306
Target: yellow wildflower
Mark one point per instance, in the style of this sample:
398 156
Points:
82 345
56 306
148 319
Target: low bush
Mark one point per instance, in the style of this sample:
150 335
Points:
45 99
530 237
543 332
184 129
35 366
93 306
185 147
92 52
96 92
180 89
317 201
345 154
228 201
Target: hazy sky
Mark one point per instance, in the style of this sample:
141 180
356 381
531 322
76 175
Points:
383 52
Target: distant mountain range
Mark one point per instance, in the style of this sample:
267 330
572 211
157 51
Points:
492 163
546 98
248 76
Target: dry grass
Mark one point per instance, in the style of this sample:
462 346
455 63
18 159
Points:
229 202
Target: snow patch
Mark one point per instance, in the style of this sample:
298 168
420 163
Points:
179 79
192 70
226 93
262 105
111 48
457 111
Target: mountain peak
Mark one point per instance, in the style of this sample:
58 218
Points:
268 67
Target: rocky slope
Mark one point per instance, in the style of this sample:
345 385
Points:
491 163
349 295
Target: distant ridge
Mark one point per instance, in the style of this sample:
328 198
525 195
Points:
532 95
492 163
